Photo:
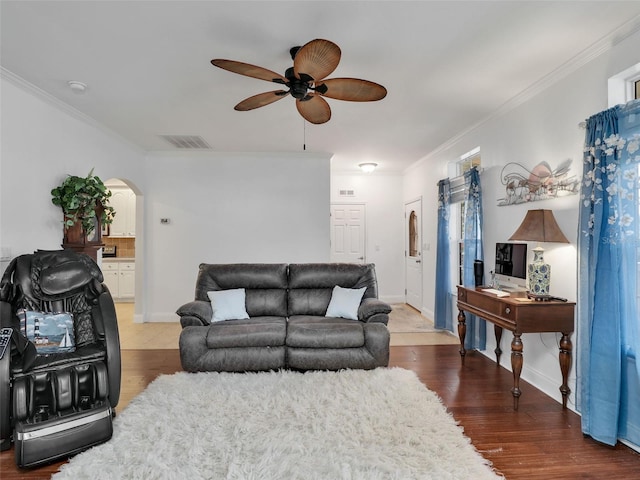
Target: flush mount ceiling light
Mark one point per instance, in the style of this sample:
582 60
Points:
368 167
77 87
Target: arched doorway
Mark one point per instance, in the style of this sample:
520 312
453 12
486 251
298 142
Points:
121 265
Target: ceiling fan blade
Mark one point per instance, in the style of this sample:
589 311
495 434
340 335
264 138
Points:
314 109
352 89
249 70
260 100
317 59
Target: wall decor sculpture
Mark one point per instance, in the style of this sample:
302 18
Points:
540 183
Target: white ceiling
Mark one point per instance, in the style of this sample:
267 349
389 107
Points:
446 65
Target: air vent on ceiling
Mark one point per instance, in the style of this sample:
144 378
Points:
186 141
347 193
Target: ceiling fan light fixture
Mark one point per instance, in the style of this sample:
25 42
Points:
368 167
307 81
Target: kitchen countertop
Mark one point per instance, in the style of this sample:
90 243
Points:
118 259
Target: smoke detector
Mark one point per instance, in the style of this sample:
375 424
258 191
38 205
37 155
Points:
77 87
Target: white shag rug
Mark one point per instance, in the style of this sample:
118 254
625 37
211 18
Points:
347 425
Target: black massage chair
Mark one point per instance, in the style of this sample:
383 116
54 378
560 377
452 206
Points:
54 405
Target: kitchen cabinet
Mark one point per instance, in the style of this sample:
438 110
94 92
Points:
120 277
123 200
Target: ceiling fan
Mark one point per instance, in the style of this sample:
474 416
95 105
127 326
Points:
306 81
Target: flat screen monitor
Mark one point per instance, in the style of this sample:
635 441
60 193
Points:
511 264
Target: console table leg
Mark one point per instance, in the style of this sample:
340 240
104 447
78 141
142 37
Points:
498 351
462 333
565 364
516 367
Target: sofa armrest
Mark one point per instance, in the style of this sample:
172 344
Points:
374 310
197 312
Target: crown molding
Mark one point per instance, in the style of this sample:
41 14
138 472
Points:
37 92
587 55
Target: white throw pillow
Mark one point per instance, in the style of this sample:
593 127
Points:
345 302
228 304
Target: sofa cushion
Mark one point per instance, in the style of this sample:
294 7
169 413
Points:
311 284
309 301
345 302
254 332
328 275
266 302
307 331
55 332
265 285
228 304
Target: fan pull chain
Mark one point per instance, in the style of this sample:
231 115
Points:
304 135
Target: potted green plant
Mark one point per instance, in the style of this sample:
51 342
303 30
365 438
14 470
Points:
85 205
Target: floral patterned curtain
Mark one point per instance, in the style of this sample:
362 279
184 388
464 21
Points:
442 310
472 237
608 243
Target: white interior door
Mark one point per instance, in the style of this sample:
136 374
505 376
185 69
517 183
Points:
348 233
413 253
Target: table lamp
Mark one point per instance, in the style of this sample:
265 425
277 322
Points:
539 226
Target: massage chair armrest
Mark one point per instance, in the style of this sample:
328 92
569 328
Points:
5 402
6 316
5 378
196 313
21 349
106 326
104 316
373 310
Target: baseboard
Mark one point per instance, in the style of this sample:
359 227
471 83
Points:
393 299
427 313
544 383
167 317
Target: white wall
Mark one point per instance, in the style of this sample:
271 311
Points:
223 208
226 209
382 195
41 144
543 128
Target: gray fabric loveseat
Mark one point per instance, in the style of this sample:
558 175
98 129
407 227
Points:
287 325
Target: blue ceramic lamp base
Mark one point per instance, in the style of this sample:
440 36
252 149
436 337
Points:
539 273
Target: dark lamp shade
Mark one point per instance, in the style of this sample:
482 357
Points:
539 226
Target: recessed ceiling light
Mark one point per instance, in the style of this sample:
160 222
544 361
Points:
77 87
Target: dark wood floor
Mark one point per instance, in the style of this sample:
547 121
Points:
539 441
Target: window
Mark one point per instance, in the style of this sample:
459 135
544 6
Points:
624 86
467 162
413 234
